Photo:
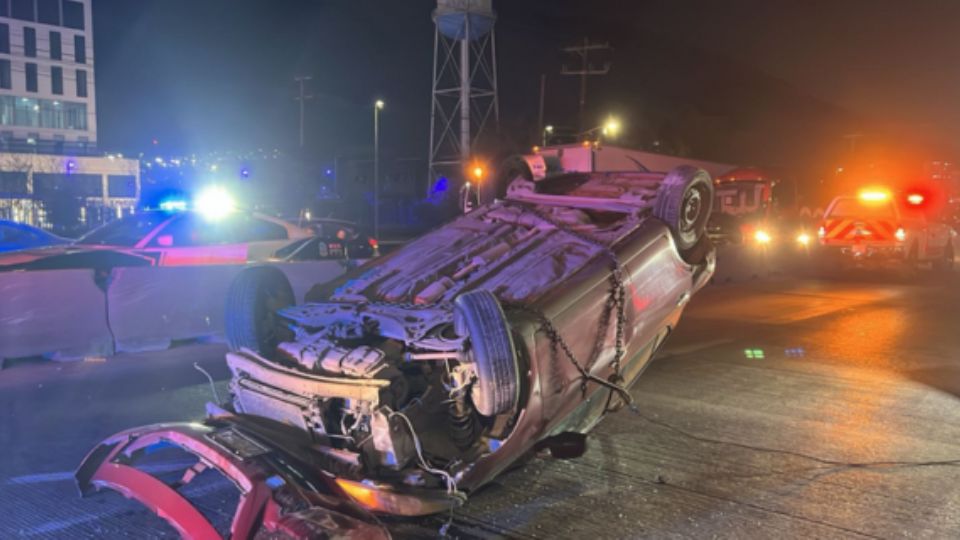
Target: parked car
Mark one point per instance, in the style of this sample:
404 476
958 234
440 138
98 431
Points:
15 236
175 238
150 278
417 378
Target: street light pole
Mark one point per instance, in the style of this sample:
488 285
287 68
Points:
302 98
377 107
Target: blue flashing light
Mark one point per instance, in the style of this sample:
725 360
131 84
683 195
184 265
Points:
173 205
71 166
245 172
329 172
441 185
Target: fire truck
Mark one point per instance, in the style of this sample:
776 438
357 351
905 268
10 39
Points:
754 208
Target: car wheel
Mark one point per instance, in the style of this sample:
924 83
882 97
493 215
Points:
478 315
253 300
512 168
684 200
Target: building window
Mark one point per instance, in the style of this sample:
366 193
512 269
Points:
56 80
44 113
22 9
5 38
81 83
56 51
29 42
31 77
6 80
80 49
73 14
48 12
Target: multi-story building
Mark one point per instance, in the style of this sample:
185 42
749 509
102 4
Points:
48 119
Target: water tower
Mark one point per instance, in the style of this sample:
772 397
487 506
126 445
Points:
464 84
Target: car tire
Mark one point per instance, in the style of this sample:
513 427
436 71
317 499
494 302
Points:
253 299
684 201
479 316
510 169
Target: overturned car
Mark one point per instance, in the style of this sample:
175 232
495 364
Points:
414 380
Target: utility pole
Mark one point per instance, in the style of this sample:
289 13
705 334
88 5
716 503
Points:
302 98
543 91
586 68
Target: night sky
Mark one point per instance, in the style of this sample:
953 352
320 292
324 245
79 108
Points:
743 81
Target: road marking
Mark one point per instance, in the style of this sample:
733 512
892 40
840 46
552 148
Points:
54 525
694 347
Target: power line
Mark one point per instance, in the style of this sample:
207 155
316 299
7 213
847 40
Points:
586 68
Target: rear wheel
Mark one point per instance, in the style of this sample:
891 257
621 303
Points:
253 300
479 316
684 201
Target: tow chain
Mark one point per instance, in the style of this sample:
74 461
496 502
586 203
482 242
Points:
616 301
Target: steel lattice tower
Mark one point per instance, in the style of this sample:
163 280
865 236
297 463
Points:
464 84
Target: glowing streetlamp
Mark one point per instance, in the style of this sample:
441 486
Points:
478 173
611 128
547 130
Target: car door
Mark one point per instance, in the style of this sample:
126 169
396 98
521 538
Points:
191 239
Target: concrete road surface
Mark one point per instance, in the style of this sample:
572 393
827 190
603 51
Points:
780 408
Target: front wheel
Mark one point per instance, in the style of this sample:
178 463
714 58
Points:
479 316
254 298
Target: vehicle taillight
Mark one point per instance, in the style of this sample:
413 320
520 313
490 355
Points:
900 234
373 242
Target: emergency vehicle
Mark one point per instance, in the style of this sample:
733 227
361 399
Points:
885 228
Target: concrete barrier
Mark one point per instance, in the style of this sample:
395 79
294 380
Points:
59 313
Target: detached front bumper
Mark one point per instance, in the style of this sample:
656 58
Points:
286 499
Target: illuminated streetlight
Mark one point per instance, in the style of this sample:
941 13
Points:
611 128
547 130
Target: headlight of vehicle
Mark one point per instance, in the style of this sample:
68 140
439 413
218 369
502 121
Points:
762 237
803 239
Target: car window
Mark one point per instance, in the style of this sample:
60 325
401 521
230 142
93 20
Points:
254 229
125 232
193 230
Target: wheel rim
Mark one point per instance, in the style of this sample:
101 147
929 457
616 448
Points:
693 213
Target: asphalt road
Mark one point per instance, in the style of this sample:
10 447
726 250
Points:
780 408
